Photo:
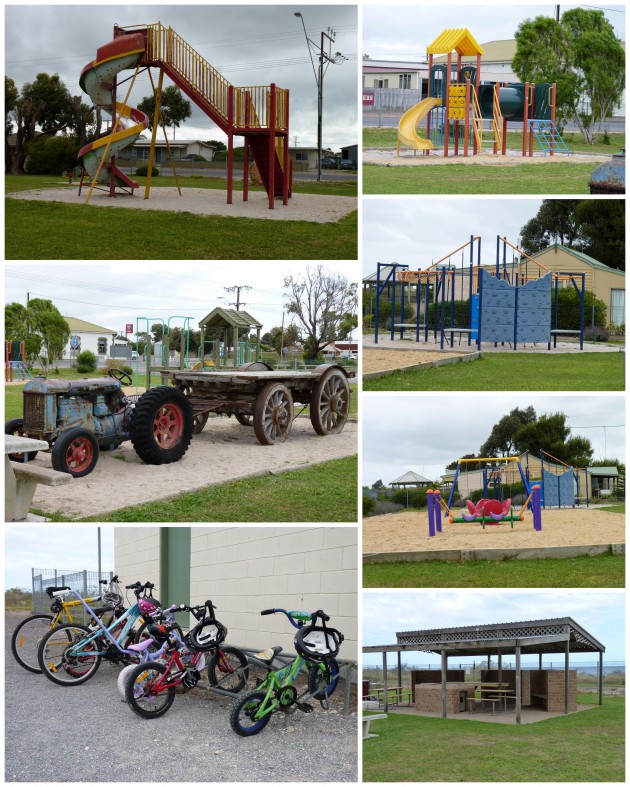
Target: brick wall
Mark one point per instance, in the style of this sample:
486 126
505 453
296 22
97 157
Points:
509 676
428 697
430 676
555 691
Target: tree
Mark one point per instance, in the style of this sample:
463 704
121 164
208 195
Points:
16 328
46 320
323 304
582 55
555 222
501 439
551 434
279 339
174 108
217 145
453 465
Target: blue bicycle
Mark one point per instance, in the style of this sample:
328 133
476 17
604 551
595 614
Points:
70 654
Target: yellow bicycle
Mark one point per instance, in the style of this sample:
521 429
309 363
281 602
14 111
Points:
27 636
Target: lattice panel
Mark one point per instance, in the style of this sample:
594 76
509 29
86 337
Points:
422 638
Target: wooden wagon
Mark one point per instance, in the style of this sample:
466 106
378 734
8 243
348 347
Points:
256 394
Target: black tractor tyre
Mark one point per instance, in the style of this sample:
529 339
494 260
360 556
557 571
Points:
162 425
16 426
75 451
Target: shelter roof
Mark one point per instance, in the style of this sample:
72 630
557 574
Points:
229 318
459 39
533 636
603 471
410 478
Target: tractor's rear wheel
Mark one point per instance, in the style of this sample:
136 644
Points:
16 427
76 452
162 425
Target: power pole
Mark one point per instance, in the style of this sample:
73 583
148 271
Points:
237 289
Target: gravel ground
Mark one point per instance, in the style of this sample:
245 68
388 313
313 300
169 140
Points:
512 159
385 343
87 734
320 208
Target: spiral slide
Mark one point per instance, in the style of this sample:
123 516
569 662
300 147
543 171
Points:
96 81
409 122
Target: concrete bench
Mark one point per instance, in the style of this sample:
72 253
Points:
366 724
21 480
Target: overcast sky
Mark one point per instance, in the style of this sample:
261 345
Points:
600 612
114 294
418 232
69 548
425 433
403 32
248 44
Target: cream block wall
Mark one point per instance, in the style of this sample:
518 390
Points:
247 569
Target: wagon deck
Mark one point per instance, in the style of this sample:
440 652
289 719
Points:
257 395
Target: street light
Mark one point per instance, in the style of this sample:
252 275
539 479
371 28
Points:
319 78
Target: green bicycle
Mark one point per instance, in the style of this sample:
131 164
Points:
316 647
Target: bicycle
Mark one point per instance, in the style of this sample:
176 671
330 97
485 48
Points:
27 636
150 687
316 648
70 654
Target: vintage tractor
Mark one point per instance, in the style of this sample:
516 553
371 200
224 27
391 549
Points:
77 418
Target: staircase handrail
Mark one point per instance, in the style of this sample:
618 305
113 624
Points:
477 119
497 119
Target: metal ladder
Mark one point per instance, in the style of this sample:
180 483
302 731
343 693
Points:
545 131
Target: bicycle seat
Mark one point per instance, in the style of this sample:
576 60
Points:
268 655
51 590
140 646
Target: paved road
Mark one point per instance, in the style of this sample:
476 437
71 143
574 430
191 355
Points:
87 734
328 175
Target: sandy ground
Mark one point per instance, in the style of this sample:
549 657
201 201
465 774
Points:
388 158
207 202
384 342
407 531
224 451
383 360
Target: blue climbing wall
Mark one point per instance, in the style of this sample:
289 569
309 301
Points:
558 490
502 307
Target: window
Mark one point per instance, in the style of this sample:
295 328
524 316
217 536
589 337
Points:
617 306
381 83
301 155
404 81
102 345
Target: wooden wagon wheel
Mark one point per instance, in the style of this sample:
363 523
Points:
330 402
273 414
199 419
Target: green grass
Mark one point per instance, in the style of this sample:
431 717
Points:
323 493
617 508
586 747
386 138
512 372
599 571
49 230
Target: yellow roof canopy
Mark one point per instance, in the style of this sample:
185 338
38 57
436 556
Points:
459 39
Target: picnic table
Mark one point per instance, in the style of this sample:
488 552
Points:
399 693
21 477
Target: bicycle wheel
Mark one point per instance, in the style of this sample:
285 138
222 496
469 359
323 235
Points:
57 660
26 638
141 695
123 675
323 679
141 633
243 711
228 670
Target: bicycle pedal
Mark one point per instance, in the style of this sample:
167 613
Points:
305 707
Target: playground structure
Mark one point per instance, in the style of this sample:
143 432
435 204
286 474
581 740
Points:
260 114
507 303
15 367
458 105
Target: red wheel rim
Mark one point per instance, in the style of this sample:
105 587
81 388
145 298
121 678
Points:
168 426
79 455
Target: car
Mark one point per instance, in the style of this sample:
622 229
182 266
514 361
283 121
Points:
328 162
347 164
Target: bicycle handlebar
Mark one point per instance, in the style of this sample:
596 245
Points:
301 617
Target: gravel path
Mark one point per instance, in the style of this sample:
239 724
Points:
319 208
224 451
513 158
87 734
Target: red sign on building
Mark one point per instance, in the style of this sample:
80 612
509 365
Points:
129 327
368 99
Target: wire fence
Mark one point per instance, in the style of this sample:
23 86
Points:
85 583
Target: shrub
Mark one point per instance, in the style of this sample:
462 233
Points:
569 309
401 315
119 363
86 361
51 155
462 314
144 169
595 334
417 498
386 508
368 506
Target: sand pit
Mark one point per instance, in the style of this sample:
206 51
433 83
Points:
407 531
388 158
386 360
224 451
318 208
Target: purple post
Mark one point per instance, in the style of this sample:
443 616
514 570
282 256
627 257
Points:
438 511
536 507
431 505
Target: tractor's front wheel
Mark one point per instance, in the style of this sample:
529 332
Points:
162 425
16 427
75 451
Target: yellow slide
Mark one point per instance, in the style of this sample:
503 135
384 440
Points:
409 122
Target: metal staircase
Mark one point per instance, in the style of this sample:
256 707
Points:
548 136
